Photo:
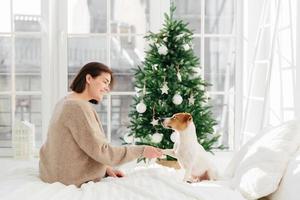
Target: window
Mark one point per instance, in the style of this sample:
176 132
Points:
106 33
20 67
214 24
44 43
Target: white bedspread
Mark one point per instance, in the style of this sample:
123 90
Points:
152 182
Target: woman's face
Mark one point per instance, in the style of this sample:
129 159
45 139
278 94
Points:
98 86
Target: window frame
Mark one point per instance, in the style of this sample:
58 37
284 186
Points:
54 63
13 93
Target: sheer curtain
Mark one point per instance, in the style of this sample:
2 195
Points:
270 64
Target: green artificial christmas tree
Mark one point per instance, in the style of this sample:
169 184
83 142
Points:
167 82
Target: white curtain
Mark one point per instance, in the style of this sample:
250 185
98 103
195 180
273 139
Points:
270 67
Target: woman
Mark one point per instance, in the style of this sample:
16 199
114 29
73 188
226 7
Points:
76 150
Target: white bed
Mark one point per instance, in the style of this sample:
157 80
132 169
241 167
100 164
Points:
268 165
150 182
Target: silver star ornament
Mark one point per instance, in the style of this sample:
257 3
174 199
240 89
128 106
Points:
154 122
165 88
191 100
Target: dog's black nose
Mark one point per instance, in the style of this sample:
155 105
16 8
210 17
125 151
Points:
161 119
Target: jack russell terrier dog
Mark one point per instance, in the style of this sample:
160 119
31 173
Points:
190 154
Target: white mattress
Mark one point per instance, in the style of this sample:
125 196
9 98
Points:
20 181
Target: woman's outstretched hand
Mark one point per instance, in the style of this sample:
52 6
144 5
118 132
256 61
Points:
114 172
152 152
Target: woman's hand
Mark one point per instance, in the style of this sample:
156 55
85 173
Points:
152 152
114 172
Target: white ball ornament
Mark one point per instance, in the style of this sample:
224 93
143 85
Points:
157 137
141 107
163 50
177 99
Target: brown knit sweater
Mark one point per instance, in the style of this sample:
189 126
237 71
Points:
76 150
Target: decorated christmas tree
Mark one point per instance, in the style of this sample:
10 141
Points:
168 82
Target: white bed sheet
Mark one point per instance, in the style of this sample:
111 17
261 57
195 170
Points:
151 182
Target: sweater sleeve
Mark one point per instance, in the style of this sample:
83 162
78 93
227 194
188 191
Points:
85 129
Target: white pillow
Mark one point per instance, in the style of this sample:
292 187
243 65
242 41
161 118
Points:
290 183
238 156
264 161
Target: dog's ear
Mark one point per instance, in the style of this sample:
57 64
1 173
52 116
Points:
188 117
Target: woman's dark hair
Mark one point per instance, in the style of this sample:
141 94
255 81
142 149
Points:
94 69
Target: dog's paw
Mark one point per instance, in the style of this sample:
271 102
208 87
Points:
188 180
